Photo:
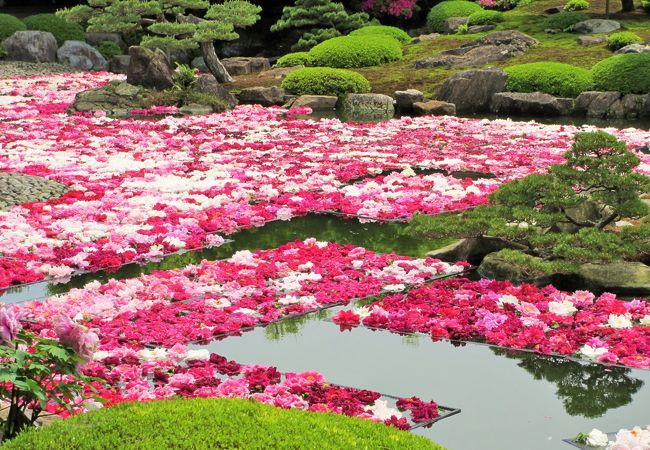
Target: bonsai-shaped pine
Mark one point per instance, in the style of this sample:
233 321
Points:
168 26
319 20
561 216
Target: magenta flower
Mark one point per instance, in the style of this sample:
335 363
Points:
9 324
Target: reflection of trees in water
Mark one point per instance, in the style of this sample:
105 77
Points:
277 330
588 390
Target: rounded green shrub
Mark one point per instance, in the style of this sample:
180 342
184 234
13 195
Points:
62 30
552 78
487 17
443 11
295 59
619 40
9 25
576 5
348 52
325 81
564 20
108 49
645 4
385 30
626 73
208 423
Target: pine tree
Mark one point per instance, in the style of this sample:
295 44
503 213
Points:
320 20
168 25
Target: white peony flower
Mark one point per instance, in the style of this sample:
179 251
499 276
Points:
101 354
153 355
597 438
562 308
619 321
362 312
218 302
197 355
381 411
507 299
645 320
592 353
394 287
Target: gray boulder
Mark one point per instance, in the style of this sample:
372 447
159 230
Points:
97 38
596 104
587 41
404 100
82 56
149 68
208 84
199 63
533 103
31 46
245 65
634 48
595 26
631 278
119 64
112 97
472 90
316 102
472 250
434 107
496 267
367 105
265 96
452 24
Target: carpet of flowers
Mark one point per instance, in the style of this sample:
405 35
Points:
141 188
546 320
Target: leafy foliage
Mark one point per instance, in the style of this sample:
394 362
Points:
62 30
561 217
295 59
626 73
349 52
550 77
325 81
318 20
487 17
202 423
576 5
564 20
619 40
384 30
108 49
443 11
9 25
645 4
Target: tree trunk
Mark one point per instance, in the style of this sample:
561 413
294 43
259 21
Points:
628 5
214 65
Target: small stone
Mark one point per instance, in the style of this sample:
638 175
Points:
265 96
633 48
82 56
404 100
480 29
316 102
195 109
426 37
452 24
596 26
587 41
434 107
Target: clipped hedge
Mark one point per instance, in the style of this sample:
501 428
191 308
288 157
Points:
487 17
576 5
9 25
552 78
108 49
619 40
348 52
295 59
626 73
384 30
203 423
325 81
62 30
564 20
443 11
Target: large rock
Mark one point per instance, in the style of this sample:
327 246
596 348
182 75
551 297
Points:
208 84
452 24
245 65
31 46
119 64
316 102
534 103
596 104
472 90
595 26
496 267
631 278
199 63
404 100
472 250
434 107
497 46
82 56
634 48
265 96
115 98
634 106
587 41
361 106
149 68
97 38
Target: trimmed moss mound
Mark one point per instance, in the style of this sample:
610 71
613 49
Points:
551 78
9 25
384 30
349 52
295 59
626 73
443 11
62 30
325 81
213 424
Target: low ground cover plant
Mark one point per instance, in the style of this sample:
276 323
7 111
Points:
564 20
576 5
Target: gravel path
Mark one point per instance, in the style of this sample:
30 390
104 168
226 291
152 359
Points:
10 69
17 188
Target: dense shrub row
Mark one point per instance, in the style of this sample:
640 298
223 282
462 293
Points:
203 423
325 81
